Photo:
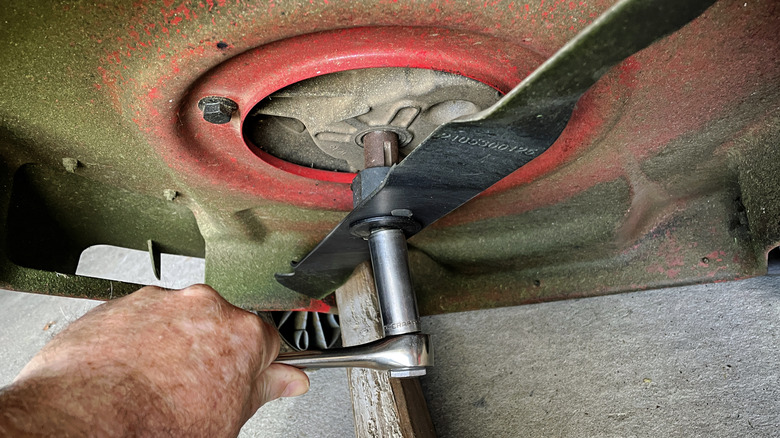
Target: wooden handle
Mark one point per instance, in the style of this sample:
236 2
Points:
382 407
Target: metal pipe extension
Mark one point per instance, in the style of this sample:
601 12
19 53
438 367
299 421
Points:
402 356
397 301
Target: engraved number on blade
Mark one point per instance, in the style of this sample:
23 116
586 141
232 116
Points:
462 139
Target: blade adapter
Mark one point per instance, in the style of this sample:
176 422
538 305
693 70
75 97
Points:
464 157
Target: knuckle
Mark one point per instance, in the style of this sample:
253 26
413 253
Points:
200 290
149 290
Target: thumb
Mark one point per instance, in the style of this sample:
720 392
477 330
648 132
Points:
280 380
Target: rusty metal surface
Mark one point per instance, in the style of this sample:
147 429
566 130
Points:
465 157
666 174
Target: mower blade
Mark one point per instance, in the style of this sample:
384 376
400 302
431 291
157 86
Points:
464 157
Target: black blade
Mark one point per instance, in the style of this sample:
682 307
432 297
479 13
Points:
464 157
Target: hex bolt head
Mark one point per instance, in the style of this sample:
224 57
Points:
170 194
71 164
217 110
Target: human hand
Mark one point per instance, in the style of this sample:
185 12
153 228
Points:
160 362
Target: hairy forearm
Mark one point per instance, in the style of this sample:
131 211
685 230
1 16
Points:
153 363
110 404
27 411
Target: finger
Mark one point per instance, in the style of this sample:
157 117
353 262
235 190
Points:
270 340
261 337
280 380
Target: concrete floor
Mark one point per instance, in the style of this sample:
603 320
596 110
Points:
700 361
697 361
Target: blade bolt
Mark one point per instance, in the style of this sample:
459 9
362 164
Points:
380 149
217 110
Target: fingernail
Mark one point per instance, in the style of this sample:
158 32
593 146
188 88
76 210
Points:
296 388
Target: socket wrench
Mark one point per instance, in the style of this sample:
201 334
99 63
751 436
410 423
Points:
403 351
403 356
